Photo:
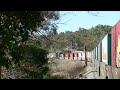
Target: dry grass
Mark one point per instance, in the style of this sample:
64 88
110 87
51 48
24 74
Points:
68 69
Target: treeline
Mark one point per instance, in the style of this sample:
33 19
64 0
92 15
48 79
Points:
78 39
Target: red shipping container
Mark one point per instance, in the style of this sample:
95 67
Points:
71 55
75 54
115 49
66 55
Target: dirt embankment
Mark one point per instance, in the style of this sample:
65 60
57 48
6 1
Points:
68 69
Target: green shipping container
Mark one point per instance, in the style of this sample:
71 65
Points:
106 49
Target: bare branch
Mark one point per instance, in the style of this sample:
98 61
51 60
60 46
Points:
94 14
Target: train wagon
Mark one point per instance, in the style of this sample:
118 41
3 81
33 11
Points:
72 56
75 56
100 51
115 45
92 55
67 56
88 54
83 56
96 57
61 56
79 56
106 49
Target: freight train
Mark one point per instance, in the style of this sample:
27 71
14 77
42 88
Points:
108 49
76 55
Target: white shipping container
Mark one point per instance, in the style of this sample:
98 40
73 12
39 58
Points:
79 56
93 56
83 56
75 58
88 56
61 56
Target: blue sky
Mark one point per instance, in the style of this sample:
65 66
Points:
72 20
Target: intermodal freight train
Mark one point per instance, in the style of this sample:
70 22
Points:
108 50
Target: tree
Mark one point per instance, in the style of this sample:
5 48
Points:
35 61
34 64
15 29
83 37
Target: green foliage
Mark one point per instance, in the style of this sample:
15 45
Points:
83 37
35 61
16 27
35 55
34 64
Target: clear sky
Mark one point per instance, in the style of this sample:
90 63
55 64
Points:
72 20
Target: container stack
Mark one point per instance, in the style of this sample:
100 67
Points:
71 55
67 56
75 56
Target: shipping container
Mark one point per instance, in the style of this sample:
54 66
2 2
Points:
116 45
98 68
106 49
96 53
83 56
95 60
71 55
88 56
79 56
61 56
100 51
118 52
92 55
113 46
75 56
67 56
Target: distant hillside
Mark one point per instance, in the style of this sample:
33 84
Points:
78 39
